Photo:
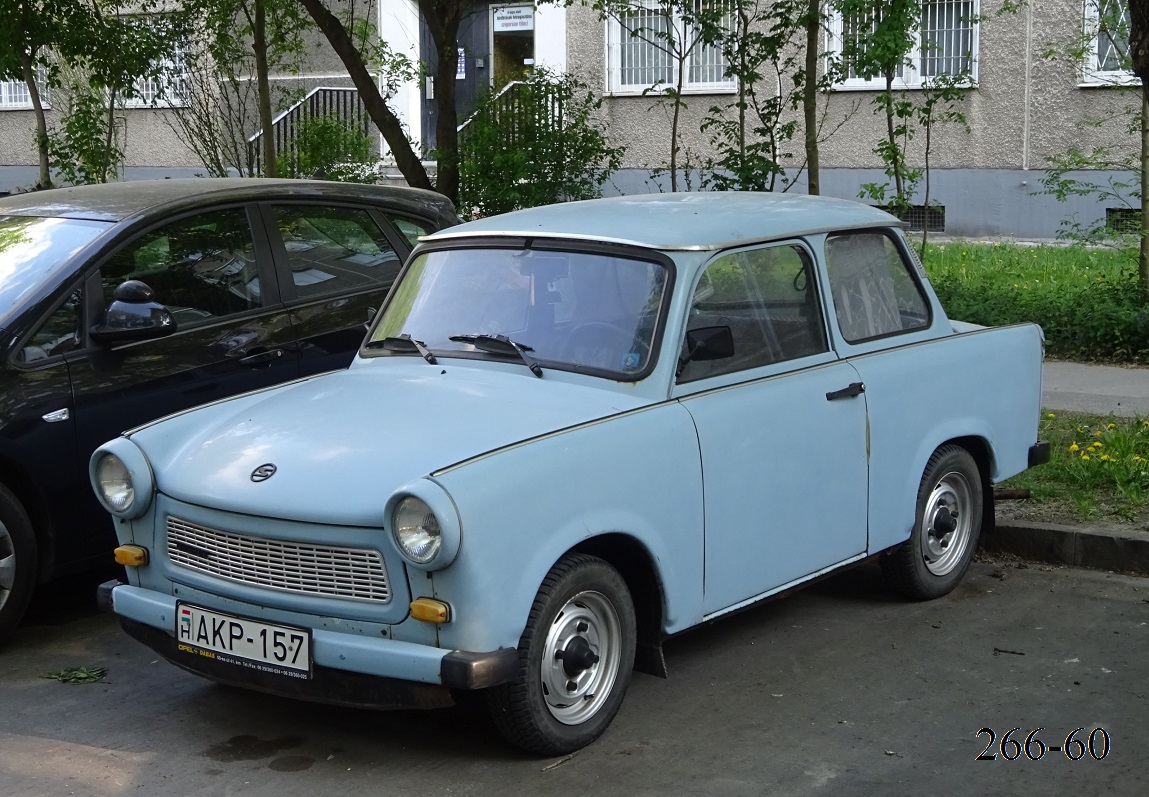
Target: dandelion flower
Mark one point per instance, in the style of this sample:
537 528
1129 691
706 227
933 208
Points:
1085 457
1050 415
1110 426
1074 448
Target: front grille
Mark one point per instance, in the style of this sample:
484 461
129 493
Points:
302 568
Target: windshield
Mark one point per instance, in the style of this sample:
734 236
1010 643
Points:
571 310
34 250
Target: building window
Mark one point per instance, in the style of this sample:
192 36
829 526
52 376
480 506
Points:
14 94
944 43
167 88
1107 39
647 41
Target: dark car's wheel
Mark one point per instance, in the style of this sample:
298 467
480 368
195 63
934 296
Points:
575 660
946 528
17 562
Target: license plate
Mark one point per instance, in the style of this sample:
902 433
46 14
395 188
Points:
277 649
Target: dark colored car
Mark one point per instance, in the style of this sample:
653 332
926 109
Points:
125 302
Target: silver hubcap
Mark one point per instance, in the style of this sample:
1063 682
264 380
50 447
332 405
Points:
946 527
581 658
7 565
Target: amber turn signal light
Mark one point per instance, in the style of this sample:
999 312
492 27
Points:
131 556
430 610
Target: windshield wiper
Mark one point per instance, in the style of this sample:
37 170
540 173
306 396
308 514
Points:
501 344
404 343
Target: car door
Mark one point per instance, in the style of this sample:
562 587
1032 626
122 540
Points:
781 429
337 263
212 270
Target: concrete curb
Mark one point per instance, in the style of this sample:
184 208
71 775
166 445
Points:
1097 549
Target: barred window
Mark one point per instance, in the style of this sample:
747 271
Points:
1107 34
945 43
14 94
165 89
645 41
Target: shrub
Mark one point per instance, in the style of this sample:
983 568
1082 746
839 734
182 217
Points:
330 148
535 143
1086 300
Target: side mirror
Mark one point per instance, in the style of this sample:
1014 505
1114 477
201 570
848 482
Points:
133 315
708 343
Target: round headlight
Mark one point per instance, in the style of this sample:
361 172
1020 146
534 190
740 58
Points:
416 530
115 483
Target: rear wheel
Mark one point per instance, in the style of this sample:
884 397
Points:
946 529
575 660
17 562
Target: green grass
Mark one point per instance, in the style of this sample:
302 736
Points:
1085 299
1098 469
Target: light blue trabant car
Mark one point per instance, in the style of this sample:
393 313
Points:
571 432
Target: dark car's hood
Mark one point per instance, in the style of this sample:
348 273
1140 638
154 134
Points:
343 442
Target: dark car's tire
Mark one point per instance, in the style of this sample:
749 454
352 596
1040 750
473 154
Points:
580 634
947 525
17 562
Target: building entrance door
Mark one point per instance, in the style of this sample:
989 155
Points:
512 43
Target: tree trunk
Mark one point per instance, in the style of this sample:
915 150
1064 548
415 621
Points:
29 71
1139 56
393 133
810 96
443 18
263 89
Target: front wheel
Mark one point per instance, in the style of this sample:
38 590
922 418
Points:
17 562
946 528
575 659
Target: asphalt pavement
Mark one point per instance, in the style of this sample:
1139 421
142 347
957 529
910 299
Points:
1100 390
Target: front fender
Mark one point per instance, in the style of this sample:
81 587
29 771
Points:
522 508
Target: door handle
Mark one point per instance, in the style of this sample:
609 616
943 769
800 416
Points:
262 358
852 390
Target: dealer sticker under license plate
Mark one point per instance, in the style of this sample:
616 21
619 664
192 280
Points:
277 649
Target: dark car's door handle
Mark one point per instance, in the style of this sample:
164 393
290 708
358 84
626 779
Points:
262 358
854 389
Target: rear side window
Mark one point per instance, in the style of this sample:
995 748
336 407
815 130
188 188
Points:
334 250
875 293
410 228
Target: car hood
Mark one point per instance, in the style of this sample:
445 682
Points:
341 443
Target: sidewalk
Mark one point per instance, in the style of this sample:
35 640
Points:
1098 389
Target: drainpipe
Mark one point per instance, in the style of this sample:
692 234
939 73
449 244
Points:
1028 86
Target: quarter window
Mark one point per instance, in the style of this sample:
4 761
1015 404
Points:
334 250
59 334
944 43
767 299
874 292
201 267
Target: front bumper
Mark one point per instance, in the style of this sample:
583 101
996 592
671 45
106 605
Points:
349 669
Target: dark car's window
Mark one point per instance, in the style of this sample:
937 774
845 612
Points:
585 310
874 291
334 250
59 334
766 297
33 251
200 267
410 229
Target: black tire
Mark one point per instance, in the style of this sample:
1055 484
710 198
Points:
946 528
580 633
17 563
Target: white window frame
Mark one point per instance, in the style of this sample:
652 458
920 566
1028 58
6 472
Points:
909 76
1091 75
9 89
705 57
170 90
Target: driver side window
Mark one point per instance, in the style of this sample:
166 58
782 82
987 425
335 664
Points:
201 267
767 299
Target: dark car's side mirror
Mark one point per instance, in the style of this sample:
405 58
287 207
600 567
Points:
133 315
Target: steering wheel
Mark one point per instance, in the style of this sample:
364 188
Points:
601 344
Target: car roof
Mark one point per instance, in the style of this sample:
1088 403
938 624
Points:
690 221
119 201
